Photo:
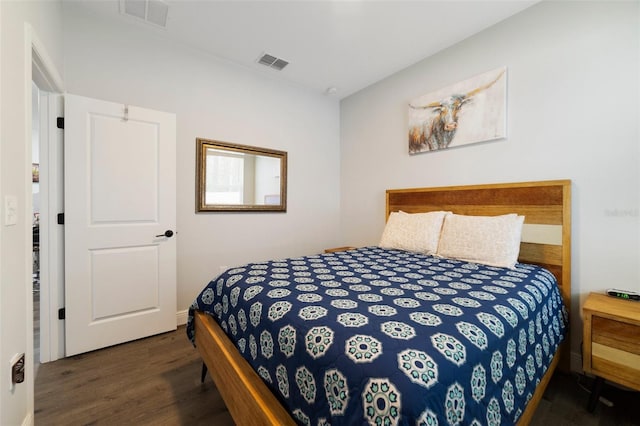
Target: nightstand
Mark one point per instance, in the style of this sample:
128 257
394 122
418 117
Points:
335 249
611 342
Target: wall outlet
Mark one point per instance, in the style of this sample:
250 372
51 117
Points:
17 369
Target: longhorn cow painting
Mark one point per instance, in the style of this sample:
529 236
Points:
467 112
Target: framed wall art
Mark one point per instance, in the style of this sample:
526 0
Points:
470 111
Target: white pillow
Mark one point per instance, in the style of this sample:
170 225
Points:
417 232
490 240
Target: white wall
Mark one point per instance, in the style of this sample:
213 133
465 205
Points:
573 94
218 100
16 325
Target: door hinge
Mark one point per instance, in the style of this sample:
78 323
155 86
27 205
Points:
60 122
62 313
60 218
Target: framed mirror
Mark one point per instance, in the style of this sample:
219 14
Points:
233 177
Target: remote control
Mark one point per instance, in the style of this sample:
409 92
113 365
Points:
624 294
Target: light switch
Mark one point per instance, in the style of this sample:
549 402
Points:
10 210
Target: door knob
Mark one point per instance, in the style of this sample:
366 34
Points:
168 233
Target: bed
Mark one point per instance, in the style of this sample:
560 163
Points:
437 339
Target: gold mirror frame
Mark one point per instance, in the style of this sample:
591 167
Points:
271 202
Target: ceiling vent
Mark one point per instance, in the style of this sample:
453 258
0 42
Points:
272 62
151 11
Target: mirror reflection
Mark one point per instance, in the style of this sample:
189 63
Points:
234 177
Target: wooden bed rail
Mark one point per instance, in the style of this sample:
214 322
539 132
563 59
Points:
242 390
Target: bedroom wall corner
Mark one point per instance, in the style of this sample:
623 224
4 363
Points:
566 61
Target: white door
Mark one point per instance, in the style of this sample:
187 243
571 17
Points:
120 190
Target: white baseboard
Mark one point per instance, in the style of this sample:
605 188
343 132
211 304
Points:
181 317
28 421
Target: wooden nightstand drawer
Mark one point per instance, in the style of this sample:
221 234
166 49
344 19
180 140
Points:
616 334
612 339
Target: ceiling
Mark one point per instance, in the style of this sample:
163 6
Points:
345 45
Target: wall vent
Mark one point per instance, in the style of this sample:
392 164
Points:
272 62
151 11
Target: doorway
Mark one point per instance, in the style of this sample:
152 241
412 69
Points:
35 223
46 192
47 236
157 214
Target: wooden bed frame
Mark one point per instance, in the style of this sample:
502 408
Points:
546 239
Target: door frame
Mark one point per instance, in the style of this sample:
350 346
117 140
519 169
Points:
51 233
39 68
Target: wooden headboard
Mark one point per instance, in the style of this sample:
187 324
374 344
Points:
546 206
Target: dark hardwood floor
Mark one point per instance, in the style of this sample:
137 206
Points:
157 381
152 381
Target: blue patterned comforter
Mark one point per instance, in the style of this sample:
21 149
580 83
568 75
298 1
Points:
378 336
